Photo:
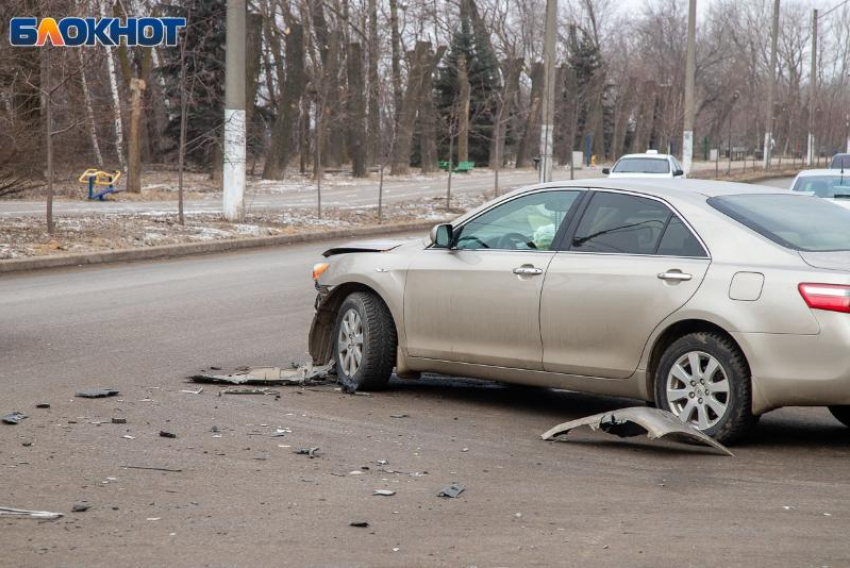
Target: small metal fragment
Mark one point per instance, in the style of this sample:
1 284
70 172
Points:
25 514
312 452
359 524
384 492
43 405
119 420
166 434
80 507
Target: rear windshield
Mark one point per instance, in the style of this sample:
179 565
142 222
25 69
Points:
796 222
841 161
642 166
829 186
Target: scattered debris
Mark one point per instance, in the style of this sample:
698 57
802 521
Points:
129 437
272 376
253 391
14 418
171 470
281 432
628 422
384 492
359 524
451 491
312 452
214 429
26 444
153 518
165 434
80 507
399 415
119 420
97 393
199 391
465 450
43 405
24 514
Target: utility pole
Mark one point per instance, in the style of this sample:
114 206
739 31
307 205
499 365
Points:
690 74
768 121
813 91
547 128
234 113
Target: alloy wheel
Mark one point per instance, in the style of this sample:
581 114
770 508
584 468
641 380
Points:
698 390
350 342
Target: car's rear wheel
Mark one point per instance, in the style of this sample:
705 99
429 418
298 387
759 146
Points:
841 413
704 380
365 342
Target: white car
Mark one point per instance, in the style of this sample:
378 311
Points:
649 165
833 185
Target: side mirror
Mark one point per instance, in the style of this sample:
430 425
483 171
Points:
441 236
678 173
606 171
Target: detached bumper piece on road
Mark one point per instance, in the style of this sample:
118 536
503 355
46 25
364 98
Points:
629 422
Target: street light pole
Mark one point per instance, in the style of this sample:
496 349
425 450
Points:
813 92
690 73
546 132
233 201
768 121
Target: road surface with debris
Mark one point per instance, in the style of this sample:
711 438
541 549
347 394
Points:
243 496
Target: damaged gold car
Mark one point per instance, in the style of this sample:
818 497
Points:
717 302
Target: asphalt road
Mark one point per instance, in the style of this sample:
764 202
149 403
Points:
245 498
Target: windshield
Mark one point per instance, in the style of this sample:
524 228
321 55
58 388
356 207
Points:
793 221
829 186
642 166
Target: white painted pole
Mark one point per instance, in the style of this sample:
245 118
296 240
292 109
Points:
547 128
233 201
690 87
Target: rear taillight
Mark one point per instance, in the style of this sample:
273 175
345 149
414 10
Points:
832 297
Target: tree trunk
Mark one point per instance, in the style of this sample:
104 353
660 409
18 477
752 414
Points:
134 164
511 69
116 107
396 61
356 111
531 135
90 113
374 125
427 126
289 106
422 60
621 118
462 110
563 98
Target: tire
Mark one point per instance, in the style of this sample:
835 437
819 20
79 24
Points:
369 315
719 403
841 413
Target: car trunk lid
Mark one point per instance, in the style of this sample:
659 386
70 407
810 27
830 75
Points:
833 260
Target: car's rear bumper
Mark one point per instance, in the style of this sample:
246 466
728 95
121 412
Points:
800 370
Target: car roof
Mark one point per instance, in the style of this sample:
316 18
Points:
821 172
650 156
662 187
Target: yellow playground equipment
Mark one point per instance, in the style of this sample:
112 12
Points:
95 177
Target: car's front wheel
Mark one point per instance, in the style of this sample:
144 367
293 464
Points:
365 342
704 380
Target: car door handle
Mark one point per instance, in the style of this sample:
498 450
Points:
675 276
528 271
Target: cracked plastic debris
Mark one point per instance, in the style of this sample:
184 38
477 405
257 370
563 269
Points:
312 452
14 418
272 376
451 491
96 393
25 514
628 422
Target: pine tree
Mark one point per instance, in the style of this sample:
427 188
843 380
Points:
204 43
472 41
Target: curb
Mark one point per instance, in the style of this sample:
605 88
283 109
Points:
224 245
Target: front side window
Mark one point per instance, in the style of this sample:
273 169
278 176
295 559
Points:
642 166
529 222
796 222
829 186
617 223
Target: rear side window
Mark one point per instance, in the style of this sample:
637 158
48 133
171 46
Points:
642 166
678 240
617 223
797 222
